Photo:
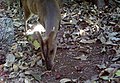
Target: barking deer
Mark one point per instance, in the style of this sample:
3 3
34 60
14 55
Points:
48 12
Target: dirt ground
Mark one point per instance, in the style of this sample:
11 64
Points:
66 66
76 61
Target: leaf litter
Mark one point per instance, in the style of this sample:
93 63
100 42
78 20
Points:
82 26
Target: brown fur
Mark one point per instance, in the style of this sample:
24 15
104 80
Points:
49 16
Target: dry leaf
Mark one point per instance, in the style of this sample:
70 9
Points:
82 57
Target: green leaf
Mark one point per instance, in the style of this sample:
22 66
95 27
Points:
105 77
118 73
36 44
30 38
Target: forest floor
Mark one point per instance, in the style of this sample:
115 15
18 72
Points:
88 49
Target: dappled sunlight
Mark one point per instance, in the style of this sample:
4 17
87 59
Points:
35 28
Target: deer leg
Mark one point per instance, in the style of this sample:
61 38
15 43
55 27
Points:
27 13
51 50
